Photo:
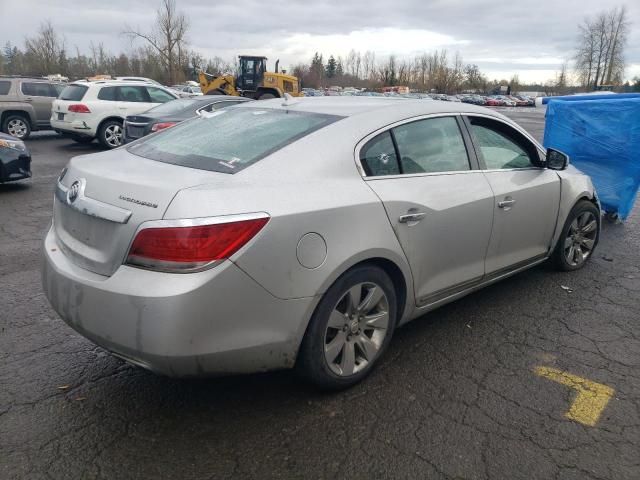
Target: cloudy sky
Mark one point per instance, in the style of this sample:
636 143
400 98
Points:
524 37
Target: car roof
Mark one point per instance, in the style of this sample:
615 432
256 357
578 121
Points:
116 83
349 106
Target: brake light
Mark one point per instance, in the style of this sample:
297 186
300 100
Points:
161 126
79 108
191 248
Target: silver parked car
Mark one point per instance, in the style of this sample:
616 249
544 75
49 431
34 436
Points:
301 233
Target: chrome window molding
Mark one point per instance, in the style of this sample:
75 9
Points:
363 141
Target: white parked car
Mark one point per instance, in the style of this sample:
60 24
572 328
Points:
89 110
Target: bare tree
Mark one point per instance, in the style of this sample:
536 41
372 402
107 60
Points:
167 38
599 57
45 49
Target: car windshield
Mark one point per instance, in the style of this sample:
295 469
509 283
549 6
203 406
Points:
175 106
230 140
73 92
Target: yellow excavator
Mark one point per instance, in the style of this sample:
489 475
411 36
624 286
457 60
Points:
253 81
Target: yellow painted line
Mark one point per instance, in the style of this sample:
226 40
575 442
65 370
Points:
592 397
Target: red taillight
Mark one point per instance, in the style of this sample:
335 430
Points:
181 249
161 126
79 108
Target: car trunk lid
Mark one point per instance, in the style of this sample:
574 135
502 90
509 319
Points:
103 198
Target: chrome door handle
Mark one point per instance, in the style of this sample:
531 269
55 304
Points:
506 203
411 217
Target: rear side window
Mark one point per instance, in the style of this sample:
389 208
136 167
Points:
57 89
431 145
230 140
108 93
36 89
73 93
4 87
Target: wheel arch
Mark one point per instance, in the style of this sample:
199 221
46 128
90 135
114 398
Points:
22 113
106 119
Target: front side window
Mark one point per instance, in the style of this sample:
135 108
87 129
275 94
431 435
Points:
36 89
133 94
230 140
378 156
4 87
501 147
431 145
159 96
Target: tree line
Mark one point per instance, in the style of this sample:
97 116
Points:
163 53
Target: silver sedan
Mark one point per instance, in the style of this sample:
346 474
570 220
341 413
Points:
302 232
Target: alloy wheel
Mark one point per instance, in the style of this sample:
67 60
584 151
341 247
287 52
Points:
356 329
17 128
113 135
581 238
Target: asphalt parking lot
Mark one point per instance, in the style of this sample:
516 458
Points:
537 377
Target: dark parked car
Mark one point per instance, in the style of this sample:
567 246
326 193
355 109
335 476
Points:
15 159
168 114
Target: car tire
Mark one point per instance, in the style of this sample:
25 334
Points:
335 354
17 126
111 134
578 238
83 140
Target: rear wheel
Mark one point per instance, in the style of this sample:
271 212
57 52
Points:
578 238
17 126
110 134
350 329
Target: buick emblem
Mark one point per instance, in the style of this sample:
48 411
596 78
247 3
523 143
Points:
74 191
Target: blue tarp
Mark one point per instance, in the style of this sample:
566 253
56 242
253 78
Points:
602 138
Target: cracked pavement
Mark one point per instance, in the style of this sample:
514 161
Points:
455 396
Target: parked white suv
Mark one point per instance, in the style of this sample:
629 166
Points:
88 110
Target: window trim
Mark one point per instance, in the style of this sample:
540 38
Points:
541 153
474 166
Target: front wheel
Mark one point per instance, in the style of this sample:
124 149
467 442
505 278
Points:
578 238
350 329
17 126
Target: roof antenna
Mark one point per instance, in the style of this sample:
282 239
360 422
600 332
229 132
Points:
289 100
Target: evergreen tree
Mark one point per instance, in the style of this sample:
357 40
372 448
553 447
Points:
331 67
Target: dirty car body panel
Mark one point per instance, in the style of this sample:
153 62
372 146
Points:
249 311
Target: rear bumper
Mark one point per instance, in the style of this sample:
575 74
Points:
219 321
77 127
14 167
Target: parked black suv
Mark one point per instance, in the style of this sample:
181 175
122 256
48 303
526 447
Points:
25 104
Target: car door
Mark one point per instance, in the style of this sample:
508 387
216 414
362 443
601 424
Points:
133 99
40 95
527 195
439 203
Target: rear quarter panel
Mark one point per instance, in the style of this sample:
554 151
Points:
311 186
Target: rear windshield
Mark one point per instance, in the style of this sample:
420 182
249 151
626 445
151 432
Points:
73 92
175 106
229 140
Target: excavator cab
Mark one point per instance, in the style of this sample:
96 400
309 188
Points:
251 73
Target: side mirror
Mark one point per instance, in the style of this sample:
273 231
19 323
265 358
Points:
556 160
